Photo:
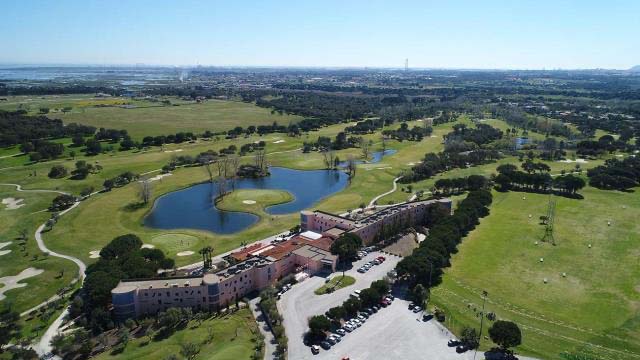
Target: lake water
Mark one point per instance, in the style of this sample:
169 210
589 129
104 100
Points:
192 208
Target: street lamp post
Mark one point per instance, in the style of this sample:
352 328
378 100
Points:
484 300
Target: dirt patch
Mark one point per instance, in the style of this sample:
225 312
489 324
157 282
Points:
13 203
404 246
13 282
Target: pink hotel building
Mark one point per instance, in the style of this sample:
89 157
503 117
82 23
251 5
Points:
261 265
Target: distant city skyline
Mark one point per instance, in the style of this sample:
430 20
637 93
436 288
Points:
331 34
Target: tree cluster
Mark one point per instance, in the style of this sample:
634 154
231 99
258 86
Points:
122 258
616 174
457 185
347 246
536 178
417 133
16 127
320 324
425 265
433 163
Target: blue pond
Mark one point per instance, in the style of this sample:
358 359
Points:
376 157
192 208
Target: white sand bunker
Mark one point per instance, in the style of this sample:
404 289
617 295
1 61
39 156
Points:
581 161
433 136
13 203
411 163
248 202
94 254
13 282
185 253
278 141
4 244
148 246
170 151
159 177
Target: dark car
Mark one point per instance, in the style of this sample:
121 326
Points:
325 345
427 317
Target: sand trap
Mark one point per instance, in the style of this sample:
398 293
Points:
581 161
170 151
159 177
185 253
4 244
433 136
248 202
148 246
420 120
384 168
94 254
278 142
411 163
13 203
13 282
421 237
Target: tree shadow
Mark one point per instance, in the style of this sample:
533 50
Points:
134 206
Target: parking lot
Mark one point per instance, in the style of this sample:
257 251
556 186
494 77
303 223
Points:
393 333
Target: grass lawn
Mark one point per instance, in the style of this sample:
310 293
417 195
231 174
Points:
593 310
28 217
336 283
235 336
145 118
253 200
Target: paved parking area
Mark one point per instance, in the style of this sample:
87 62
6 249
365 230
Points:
392 333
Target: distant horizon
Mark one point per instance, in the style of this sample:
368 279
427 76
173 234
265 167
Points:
319 67
457 34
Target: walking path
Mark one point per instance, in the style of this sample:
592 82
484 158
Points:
269 340
43 346
395 187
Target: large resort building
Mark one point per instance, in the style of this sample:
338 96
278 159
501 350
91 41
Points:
260 265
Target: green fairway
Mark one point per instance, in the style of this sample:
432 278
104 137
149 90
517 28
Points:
589 303
336 282
21 255
235 336
171 243
146 118
253 201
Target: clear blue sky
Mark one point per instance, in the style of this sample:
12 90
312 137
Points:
449 34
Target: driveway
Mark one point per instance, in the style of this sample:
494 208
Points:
300 303
393 333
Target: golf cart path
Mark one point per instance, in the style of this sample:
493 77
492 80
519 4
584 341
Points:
395 187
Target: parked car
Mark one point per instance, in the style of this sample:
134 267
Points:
362 270
341 332
348 328
362 318
390 297
417 309
336 337
411 306
325 345
331 340
315 349
357 292
369 311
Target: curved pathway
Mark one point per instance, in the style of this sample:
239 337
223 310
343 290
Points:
395 187
19 188
43 346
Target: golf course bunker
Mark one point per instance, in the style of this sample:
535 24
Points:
185 253
248 202
175 242
13 203
4 244
94 254
148 246
13 282
278 142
